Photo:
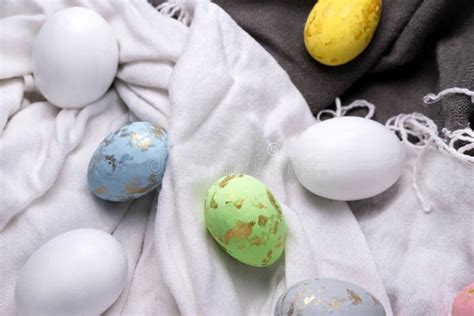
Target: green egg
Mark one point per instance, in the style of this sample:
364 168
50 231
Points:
244 217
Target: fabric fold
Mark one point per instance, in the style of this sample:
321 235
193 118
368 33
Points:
45 151
227 107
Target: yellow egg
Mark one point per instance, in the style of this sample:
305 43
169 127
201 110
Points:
337 31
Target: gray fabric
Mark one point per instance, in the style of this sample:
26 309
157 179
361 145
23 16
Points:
420 47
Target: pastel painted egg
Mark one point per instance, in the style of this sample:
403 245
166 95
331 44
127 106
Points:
129 163
327 297
348 158
244 218
81 272
337 31
463 304
75 57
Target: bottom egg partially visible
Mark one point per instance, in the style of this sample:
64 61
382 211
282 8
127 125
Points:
81 272
327 297
463 304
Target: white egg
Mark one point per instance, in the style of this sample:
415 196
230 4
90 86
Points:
348 158
75 58
81 272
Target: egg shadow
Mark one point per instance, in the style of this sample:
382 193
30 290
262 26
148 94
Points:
372 207
262 280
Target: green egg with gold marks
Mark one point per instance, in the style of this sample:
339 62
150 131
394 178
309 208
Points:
244 217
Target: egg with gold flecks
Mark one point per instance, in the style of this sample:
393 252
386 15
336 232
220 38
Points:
245 218
128 163
337 31
335 297
463 304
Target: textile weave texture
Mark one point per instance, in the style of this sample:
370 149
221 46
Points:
419 47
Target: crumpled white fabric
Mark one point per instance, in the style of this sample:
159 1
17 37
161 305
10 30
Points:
227 107
44 151
424 259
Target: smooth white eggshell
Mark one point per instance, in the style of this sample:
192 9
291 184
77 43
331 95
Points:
81 272
75 57
348 158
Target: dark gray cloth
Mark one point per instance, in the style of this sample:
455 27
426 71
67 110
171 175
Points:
419 47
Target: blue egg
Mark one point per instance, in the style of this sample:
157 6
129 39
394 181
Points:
327 297
128 163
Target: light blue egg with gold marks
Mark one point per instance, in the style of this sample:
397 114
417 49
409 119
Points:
129 163
325 297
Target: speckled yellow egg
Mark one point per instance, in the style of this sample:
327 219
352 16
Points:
337 31
244 217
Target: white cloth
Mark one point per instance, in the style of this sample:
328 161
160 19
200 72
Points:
44 151
227 107
424 259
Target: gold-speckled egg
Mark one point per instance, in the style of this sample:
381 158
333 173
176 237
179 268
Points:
244 217
337 31
328 297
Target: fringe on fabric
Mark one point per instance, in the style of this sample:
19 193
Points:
342 110
176 11
419 131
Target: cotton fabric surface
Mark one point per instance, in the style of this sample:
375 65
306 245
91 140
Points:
227 107
45 151
420 255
